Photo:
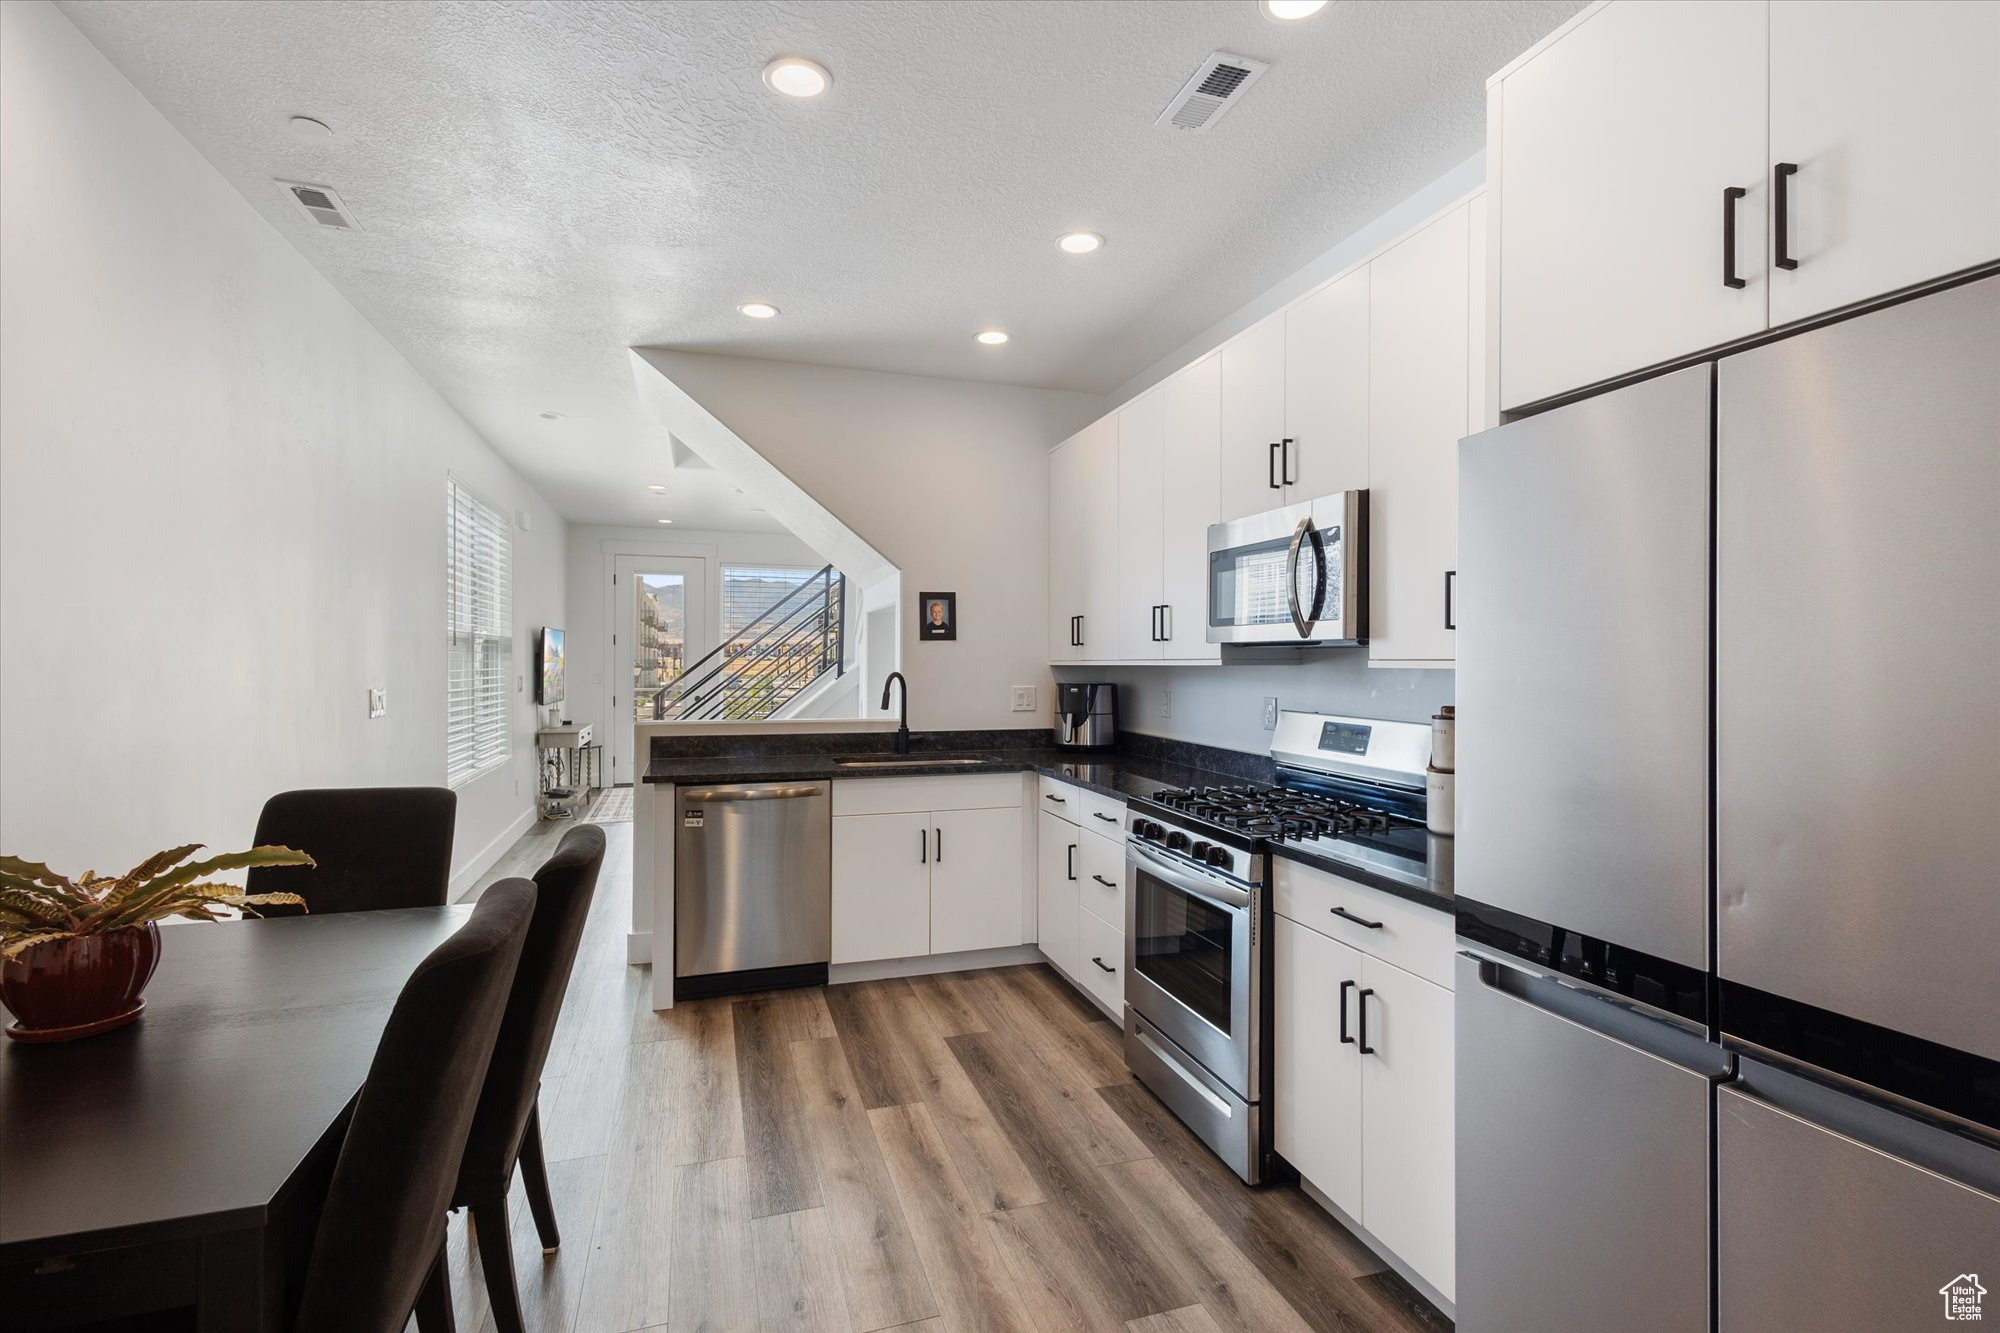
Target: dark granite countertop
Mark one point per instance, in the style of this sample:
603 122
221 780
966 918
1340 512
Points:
1436 894
1139 767
1118 775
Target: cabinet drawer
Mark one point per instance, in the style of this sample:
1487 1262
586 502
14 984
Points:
1101 878
1101 813
1060 799
915 795
1101 963
1416 939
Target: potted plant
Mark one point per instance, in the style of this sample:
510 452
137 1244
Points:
75 954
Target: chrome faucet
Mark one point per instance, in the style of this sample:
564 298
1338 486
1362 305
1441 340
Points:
903 726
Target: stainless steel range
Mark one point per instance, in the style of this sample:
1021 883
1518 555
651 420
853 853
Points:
1198 910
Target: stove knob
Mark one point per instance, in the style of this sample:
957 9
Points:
1177 840
1199 851
1150 830
1219 856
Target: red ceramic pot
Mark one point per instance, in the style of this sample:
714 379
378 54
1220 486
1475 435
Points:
60 989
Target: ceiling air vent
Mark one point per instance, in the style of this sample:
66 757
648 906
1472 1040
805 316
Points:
322 205
1214 88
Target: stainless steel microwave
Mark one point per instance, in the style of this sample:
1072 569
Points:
1293 575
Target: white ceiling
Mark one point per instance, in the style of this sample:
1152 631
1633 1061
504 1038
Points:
545 185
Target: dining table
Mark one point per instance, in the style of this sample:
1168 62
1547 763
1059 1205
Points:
179 1161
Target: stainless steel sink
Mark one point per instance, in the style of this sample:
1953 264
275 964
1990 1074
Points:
913 761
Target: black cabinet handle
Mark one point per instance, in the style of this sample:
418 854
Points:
1106 966
1730 195
1361 1006
940 846
1099 814
1057 799
1291 478
1107 883
1781 214
1271 469
1450 579
1156 622
924 846
1357 920
1166 622
1072 860
1345 987
1079 631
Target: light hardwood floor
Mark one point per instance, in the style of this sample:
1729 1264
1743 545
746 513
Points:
942 1153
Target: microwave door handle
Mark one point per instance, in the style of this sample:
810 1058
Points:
1303 618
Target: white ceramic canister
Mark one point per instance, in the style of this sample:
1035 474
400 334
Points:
1444 740
1439 791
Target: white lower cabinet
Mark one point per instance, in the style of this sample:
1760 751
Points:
1080 891
1407 1194
1362 1090
1315 1081
975 879
939 879
1056 890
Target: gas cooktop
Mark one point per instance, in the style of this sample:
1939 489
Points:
1339 828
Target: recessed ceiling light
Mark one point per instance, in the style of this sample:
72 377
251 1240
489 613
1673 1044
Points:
666 520
1079 242
992 337
758 309
657 490
552 416
795 76
308 128
1287 10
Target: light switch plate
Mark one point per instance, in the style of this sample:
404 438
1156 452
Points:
1270 713
378 702
1024 698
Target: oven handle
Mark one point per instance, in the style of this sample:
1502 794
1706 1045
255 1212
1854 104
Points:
1224 896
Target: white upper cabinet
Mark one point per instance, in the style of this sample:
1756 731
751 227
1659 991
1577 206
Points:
1141 492
1891 115
1083 544
1192 468
1419 344
1615 146
1325 444
1065 550
1253 419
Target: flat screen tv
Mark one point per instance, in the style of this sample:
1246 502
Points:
549 677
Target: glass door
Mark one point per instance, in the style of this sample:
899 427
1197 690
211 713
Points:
660 626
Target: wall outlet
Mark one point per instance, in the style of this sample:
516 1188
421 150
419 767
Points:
378 702
1166 703
1024 698
1270 713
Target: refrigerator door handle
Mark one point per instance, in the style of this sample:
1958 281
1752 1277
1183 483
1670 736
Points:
1661 1035
1966 1153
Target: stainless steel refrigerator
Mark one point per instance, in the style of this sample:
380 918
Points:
1728 861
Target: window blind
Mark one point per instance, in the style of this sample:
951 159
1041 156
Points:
479 614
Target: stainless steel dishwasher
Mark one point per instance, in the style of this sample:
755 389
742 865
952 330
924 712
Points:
753 886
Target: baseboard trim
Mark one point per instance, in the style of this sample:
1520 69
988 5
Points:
483 860
638 947
876 969
1382 1252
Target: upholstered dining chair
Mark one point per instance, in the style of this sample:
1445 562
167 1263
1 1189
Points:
379 1253
507 1128
374 847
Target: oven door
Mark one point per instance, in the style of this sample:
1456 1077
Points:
1288 575
1190 966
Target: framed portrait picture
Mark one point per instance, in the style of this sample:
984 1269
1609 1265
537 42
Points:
937 615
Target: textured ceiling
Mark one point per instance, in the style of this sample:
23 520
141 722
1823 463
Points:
545 185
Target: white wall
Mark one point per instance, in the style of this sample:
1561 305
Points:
1224 705
947 479
587 632
221 500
